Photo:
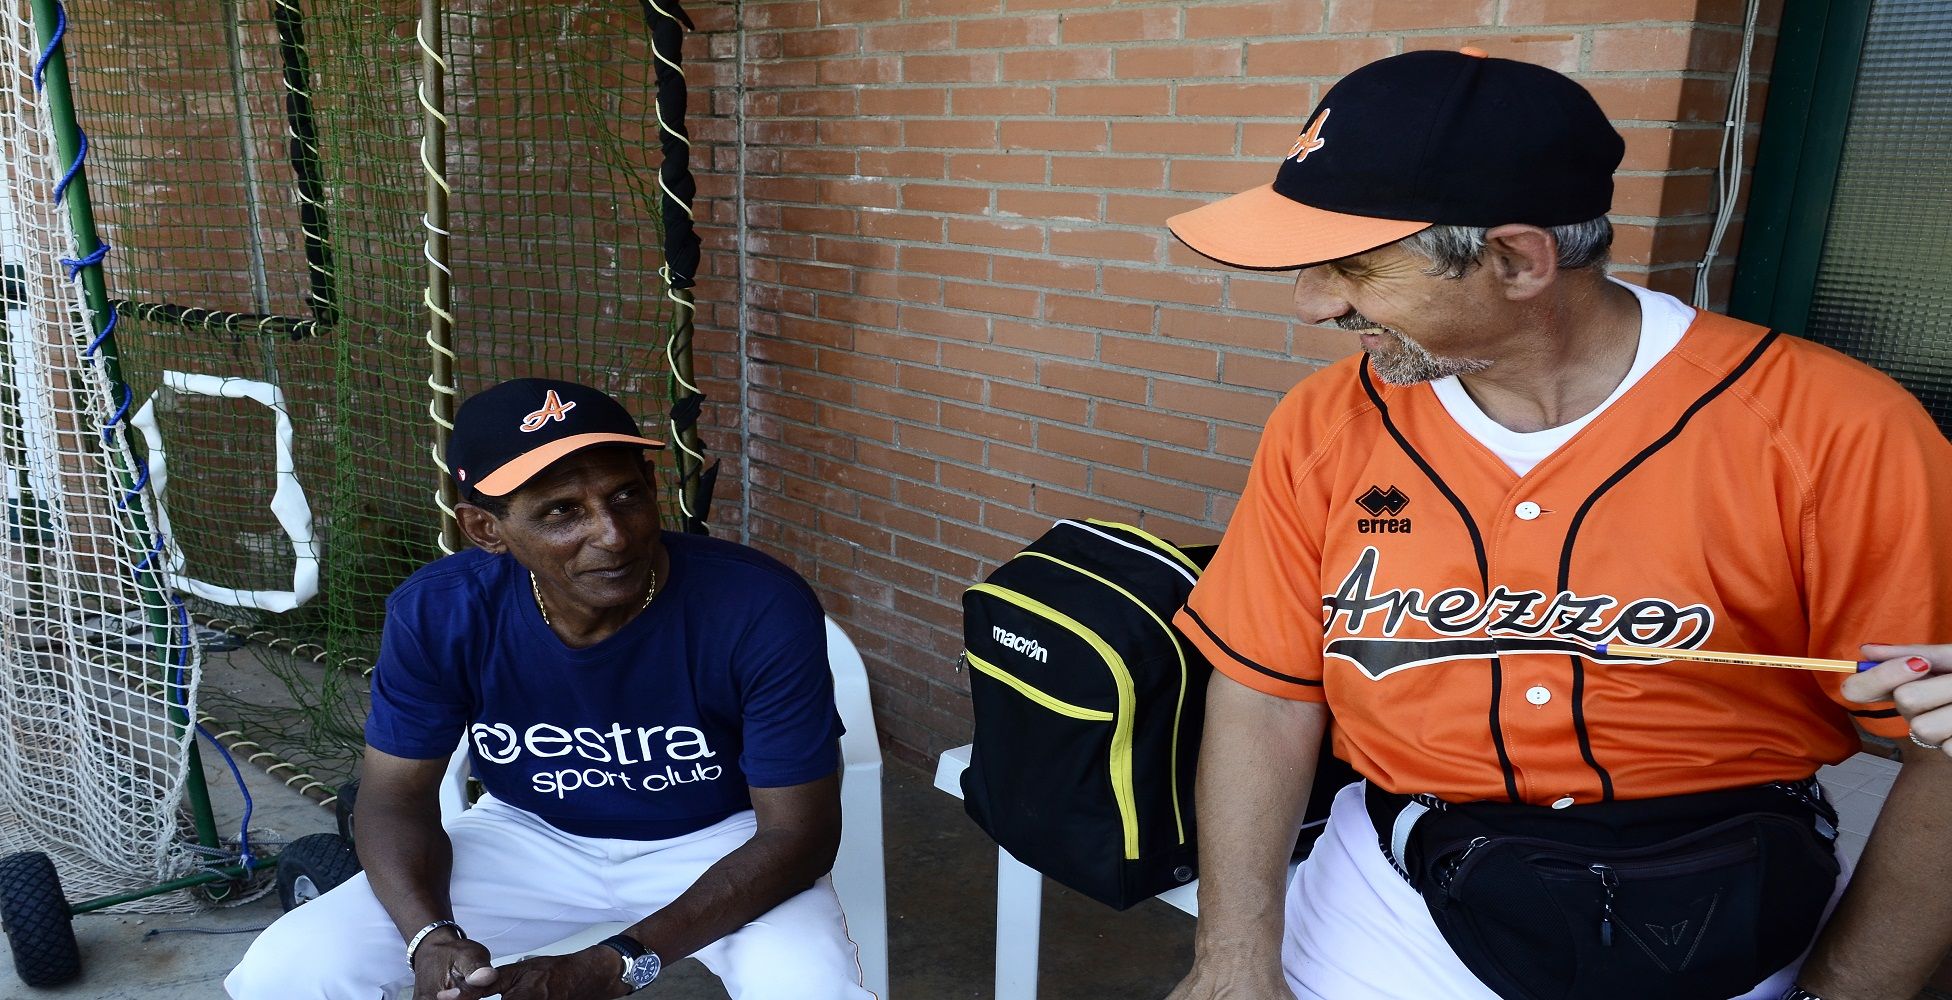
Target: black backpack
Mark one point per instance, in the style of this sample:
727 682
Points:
1088 708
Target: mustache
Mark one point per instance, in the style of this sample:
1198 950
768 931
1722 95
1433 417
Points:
1353 320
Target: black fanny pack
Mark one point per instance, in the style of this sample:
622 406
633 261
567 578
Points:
1689 897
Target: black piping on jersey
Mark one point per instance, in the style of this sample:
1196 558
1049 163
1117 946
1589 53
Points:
1875 713
1579 518
1230 651
1484 571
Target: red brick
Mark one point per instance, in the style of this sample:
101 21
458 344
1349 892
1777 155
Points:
1008 32
1172 137
1090 447
1004 168
860 132
1033 204
1099 27
985 360
1221 176
934 382
1108 172
1149 493
990 298
1092 380
1097 312
957 133
952 8
923 166
1151 425
1001 100
1085 137
1234 405
1114 101
1106 244
944 262
1043 339
910 36
1560 52
929 441
991 425
1061 64
1042 273
1254 20
1002 235
1041 403
1163 286
1179 62
1147 210
958 67
1217 326
1259 371
1594 11
873 69
945 198
1157 356
1264 295
901 226
1358 16
895 101
1287 101
1664 49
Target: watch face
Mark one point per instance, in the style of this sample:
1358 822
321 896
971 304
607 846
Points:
643 971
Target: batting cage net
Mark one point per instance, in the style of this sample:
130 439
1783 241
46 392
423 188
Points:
322 223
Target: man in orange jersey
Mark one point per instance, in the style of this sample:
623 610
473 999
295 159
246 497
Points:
1441 537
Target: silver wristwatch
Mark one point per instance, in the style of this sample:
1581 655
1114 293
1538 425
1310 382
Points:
641 965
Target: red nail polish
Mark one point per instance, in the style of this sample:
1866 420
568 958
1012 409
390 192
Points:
1917 664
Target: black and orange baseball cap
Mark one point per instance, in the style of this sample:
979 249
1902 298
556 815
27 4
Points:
1415 140
504 435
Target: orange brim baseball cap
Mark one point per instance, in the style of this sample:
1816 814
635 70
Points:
1415 140
503 436
1266 230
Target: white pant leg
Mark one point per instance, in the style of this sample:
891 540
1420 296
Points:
798 950
1357 931
517 885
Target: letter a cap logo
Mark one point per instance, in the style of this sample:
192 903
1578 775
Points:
506 434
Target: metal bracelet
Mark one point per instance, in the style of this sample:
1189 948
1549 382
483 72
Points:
413 944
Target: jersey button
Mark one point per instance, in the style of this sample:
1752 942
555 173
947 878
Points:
1527 511
1562 803
1538 695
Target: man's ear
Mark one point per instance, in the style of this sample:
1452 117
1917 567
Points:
480 527
1524 260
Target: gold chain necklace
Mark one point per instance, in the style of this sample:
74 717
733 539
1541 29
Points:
536 589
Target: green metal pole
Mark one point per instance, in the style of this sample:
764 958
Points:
229 873
81 217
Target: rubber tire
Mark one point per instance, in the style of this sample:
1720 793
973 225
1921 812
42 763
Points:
313 866
40 927
342 810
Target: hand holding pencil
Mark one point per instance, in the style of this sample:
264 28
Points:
1919 680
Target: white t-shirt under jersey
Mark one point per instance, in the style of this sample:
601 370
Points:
1663 319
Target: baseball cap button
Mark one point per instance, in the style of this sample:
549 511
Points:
1474 52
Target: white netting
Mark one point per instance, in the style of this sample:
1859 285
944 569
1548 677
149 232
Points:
92 766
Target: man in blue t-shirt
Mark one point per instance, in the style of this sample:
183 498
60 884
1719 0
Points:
650 715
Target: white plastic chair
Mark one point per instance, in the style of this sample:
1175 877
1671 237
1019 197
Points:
860 871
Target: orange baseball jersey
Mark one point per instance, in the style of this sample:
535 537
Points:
1753 493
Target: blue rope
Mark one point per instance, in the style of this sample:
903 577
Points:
108 328
74 266
183 702
128 397
142 479
61 186
60 28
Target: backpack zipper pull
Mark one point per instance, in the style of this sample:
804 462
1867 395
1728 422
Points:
1609 881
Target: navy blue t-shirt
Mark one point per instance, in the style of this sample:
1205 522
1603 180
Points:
720 684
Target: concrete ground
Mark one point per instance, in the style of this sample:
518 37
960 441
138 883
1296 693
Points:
941 918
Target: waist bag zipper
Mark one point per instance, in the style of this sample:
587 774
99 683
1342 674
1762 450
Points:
1609 880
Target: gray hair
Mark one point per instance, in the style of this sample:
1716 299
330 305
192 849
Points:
1453 250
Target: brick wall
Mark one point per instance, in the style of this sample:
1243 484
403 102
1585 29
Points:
964 316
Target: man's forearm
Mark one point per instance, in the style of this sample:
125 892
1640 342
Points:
1894 924
408 861
769 869
1257 760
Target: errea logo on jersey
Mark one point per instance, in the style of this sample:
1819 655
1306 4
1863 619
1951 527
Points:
1379 502
1020 644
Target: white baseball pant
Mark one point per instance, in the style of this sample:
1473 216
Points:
1357 931
520 884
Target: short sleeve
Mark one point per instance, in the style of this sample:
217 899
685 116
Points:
1256 612
789 721
1881 544
419 703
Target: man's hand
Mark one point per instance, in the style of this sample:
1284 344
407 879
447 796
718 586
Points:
1919 680
595 973
1233 977
448 967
